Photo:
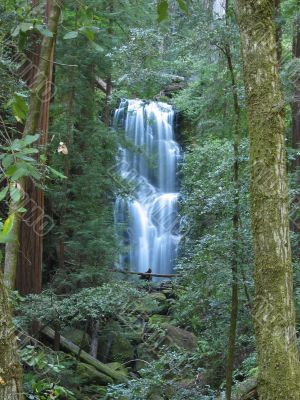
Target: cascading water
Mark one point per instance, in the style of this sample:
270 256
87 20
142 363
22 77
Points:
149 218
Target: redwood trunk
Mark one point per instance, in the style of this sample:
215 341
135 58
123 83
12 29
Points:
29 268
31 126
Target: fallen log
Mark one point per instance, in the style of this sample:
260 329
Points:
145 274
84 356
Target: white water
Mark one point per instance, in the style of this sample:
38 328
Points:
219 8
149 218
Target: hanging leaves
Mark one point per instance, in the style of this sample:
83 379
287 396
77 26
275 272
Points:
18 106
162 10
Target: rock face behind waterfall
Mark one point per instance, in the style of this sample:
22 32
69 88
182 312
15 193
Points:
147 223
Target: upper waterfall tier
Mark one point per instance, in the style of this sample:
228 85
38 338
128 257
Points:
148 222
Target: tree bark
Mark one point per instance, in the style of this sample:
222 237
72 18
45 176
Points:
273 306
278 30
29 268
10 368
235 226
31 126
94 340
296 100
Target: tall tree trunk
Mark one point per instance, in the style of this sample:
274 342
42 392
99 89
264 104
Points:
29 268
296 100
278 29
273 306
31 126
10 368
235 227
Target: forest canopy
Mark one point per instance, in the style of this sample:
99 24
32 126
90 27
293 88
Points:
149 226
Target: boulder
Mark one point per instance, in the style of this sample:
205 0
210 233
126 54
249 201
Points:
116 366
177 337
161 301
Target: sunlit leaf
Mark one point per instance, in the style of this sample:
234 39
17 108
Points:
15 194
44 30
70 35
162 10
56 173
182 5
3 193
8 224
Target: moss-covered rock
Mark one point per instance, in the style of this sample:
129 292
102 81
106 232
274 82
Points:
161 301
116 366
113 345
145 355
177 337
158 319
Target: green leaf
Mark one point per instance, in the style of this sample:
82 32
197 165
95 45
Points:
8 224
15 194
44 30
25 169
70 35
29 150
26 26
18 106
98 48
56 173
16 31
162 10
183 5
7 161
11 170
88 32
25 158
28 139
3 193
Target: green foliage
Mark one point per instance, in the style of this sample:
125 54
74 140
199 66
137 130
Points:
173 376
98 303
41 381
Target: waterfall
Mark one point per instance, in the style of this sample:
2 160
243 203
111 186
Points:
219 8
147 221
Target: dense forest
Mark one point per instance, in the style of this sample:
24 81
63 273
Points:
149 198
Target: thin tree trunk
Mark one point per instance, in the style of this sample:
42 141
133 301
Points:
56 341
273 306
10 368
31 126
94 341
235 227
